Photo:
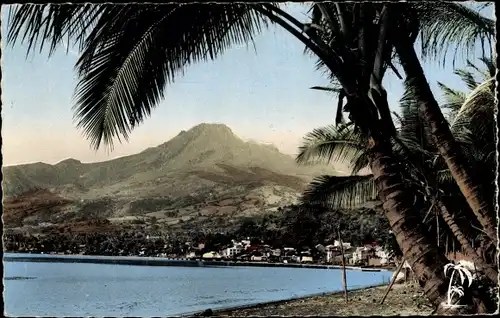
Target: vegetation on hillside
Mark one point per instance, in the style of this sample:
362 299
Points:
289 227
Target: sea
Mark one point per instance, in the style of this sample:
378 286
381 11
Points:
85 289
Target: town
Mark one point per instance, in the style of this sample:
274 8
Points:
371 255
245 250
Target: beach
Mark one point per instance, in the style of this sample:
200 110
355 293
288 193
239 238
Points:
402 300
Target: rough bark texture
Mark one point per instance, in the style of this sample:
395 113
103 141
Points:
488 269
413 239
444 140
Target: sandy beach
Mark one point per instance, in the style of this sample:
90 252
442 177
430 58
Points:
402 300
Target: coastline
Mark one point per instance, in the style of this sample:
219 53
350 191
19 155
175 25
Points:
160 261
225 311
403 300
127 260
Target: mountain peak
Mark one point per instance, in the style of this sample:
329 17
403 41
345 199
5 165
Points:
211 128
69 161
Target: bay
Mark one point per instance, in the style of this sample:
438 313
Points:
83 289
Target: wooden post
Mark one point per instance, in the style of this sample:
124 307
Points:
437 228
446 245
393 280
344 276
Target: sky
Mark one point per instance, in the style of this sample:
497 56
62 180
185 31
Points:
261 95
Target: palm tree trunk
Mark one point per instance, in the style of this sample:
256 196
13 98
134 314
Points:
488 270
414 240
423 256
445 142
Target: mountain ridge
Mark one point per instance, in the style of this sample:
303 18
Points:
207 163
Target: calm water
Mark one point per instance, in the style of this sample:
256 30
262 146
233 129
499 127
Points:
76 289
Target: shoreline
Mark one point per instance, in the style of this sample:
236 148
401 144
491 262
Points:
159 261
403 300
225 311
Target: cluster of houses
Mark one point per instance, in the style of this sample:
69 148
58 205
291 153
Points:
368 255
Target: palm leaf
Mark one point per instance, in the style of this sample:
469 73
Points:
488 72
453 99
414 138
491 68
446 25
331 144
130 52
335 89
360 163
39 25
478 106
444 177
129 60
468 78
340 192
339 92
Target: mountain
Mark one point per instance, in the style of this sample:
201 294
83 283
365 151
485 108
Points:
204 171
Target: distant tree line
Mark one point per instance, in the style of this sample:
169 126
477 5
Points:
293 226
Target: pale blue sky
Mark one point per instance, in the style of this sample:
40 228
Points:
262 96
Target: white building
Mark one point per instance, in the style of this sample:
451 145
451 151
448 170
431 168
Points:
191 255
362 254
330 255
211 255
333 251
345 245
256 258
382 254
276 252
306 259
245 243
232 251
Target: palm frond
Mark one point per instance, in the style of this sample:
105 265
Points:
453 99
414 133
444 176
360 163
331 144
339 92
408 147
398 119
446 25
130 52
38 25
318 18
334 89
128 60
340 192
478 104
488 72
468 78
491 68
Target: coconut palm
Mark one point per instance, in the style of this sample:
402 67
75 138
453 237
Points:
450 151
450 20
129 53
414 146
